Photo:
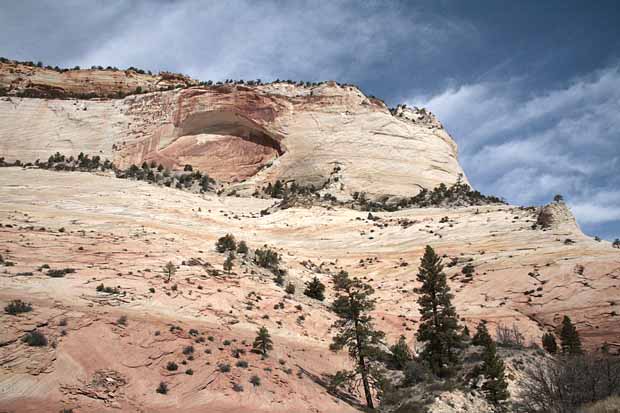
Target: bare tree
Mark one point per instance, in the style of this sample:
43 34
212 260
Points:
563 385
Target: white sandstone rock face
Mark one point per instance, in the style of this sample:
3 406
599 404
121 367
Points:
245 135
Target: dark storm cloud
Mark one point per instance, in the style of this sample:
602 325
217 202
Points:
529 89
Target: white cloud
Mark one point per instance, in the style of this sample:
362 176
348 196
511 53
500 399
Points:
302 40
527 148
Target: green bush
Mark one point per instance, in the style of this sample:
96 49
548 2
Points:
17 306
267 258
242 248
255 380
35 339
226 243
315 289
162 388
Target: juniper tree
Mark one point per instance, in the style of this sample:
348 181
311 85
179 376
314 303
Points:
263 343
356 333
549 343
569 337
495 386
438 323
482 336
315 289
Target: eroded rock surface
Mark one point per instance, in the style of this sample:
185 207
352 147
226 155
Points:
121 232
249 135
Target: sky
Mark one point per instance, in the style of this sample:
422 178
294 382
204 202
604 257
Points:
530 90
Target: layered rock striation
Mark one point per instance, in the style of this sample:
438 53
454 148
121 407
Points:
245 135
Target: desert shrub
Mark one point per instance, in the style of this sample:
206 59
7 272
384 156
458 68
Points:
17 306
226 342
189 372
242 363
315 289
60 273
567 383
400 353
544 218
223 367
109 290
549 343
162 388
468 270
242 248
290 289
237 387
509 336
122 320
226 243
416 372
172 366
267 258
255 380
188 350
193 332
35 339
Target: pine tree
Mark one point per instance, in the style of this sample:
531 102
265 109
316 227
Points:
569 337
401 354
549 344
263 343
315 289
495 386
356 332
482 336
438 324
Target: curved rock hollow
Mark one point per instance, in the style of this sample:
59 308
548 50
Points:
224 144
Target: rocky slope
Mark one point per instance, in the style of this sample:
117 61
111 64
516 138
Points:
120 233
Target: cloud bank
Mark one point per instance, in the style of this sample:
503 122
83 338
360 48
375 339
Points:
528 146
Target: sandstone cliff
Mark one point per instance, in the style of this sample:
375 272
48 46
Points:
249 135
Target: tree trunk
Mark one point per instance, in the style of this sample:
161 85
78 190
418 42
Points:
366 384
362 364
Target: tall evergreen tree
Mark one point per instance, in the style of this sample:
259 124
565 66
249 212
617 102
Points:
439 323
569 337
482 336
549 343
263 343
315 289
495 386
356 331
